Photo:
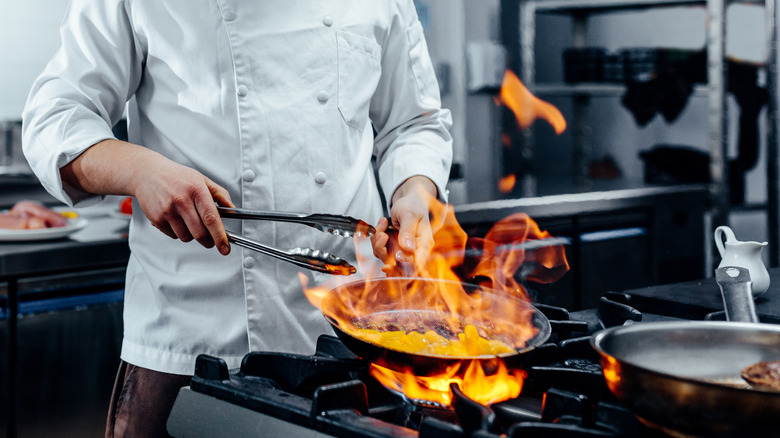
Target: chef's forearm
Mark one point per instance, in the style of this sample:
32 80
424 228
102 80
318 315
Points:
109 167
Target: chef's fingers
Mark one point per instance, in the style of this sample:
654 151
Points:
193 210
176 217
409 212
379 238
414 229
382 225
220 194
180 228
423 240
210 216
379 241
380 246
415 237
406 224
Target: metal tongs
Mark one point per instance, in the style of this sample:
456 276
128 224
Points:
308 258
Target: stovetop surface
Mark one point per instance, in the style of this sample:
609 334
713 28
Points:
699 298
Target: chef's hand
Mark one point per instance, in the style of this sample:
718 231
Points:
178 200
410 215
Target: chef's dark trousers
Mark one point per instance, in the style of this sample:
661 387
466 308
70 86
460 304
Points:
141 402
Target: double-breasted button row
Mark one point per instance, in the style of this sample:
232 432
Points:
249 176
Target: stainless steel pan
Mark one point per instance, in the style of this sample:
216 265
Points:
684 377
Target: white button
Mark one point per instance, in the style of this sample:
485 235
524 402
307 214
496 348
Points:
323 96
327 20
249 262
242 90
248 176
320 177
229 15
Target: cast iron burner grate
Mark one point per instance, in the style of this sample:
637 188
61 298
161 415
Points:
331 393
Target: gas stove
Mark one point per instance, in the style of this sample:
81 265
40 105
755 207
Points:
331 392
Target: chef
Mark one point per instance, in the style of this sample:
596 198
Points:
272 105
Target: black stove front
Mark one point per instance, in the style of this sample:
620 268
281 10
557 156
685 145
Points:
331 393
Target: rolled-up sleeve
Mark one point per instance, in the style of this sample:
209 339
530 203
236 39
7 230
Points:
412 130
82 91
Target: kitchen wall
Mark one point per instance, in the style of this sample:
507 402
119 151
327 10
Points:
29 35
450 26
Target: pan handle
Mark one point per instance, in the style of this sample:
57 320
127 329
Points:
735 287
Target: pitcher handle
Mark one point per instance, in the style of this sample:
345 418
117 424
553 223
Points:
730 237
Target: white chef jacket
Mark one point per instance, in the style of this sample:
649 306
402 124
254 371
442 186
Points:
283 103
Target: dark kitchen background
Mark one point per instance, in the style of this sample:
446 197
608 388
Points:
660 146
672 131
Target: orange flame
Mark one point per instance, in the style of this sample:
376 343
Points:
499 307
470 376
504 251
527 107
507 183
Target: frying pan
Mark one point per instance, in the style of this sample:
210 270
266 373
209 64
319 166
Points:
684 377
383 299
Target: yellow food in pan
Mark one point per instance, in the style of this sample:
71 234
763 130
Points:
469 343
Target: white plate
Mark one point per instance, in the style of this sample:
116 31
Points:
43 233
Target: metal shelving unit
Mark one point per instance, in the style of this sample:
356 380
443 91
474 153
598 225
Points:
715 91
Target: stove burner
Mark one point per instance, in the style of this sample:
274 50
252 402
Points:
472 415
332 393
419 402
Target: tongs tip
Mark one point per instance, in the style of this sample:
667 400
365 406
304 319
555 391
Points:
323 261
304 257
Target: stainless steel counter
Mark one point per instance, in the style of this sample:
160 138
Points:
623 238
60 321
698 298
581 203
103 243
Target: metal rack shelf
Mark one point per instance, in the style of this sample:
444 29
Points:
595 90
595 6
599 6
